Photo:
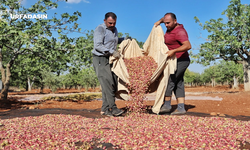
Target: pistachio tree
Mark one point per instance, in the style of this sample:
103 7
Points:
230 73
192 78
33 38
228 39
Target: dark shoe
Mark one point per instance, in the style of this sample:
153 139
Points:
107 113
177 112
117 112
165 108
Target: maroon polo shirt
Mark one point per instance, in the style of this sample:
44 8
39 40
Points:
174 38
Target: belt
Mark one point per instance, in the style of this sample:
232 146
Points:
100 55
105 53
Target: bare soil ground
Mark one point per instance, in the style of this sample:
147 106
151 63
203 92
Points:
235 102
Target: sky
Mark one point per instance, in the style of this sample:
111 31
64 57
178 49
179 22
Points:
137 17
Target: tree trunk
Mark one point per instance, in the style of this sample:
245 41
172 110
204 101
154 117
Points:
246 70
30 83
26 86
213 82
79 88
41 84
86 88
236 85
42 87
6 82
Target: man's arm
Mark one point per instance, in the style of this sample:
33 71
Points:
98 40
184 47
159 22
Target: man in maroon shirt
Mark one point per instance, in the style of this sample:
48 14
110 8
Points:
176 38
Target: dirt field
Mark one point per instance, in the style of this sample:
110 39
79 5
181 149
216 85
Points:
199 100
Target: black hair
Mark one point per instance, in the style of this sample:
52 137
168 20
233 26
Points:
110 14
173 16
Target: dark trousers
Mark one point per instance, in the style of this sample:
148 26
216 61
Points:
176 81
108 81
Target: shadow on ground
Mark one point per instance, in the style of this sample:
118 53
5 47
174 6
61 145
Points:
16 110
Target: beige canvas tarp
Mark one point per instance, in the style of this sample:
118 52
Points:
154 47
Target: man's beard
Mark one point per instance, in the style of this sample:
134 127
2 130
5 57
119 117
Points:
111 28
170 29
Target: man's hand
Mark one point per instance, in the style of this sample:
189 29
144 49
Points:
157 23
170 53
116 54
128 38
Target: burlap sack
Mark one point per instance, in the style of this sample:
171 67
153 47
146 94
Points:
154 47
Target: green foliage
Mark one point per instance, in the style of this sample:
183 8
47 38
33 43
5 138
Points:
207 75
69 80
27 45
223 72
28 67
51 80
228 40
139 43
192 77
75 97
227 70
88 78
82 55
85 77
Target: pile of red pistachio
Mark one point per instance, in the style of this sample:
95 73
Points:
140 70
144 131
